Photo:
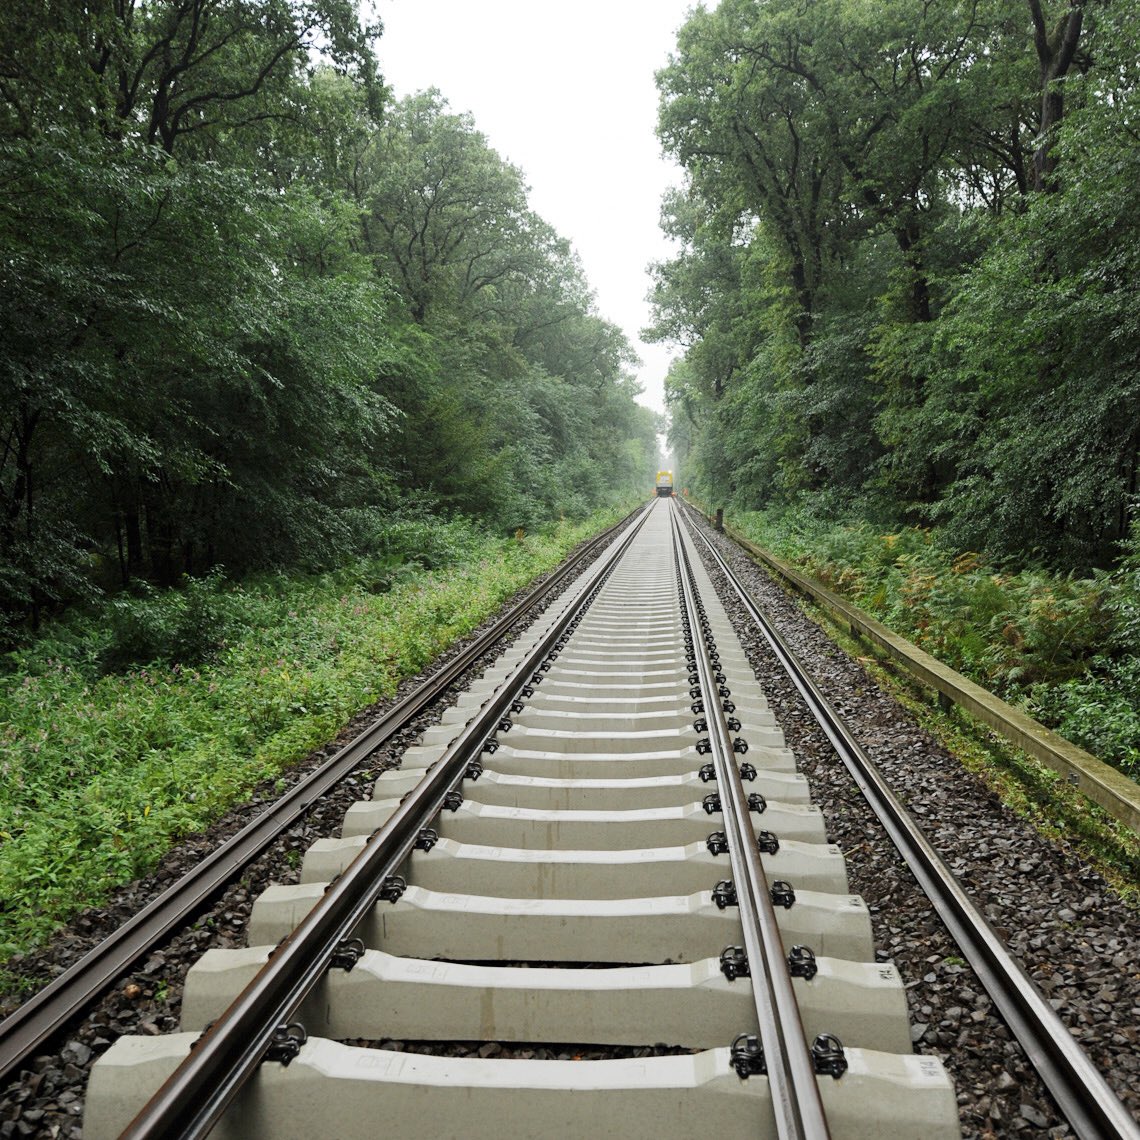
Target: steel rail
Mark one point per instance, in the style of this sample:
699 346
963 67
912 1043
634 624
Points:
1085 1098
794 1090
196 1095
45 1013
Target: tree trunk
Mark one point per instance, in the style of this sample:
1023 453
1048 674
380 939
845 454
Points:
1055 53
132 523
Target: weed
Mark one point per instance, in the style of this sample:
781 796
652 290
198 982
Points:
1064 648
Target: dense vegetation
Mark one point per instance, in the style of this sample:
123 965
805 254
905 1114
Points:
909 239
103 767
251 306
1060 646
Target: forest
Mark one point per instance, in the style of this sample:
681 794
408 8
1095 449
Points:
254 308
908 245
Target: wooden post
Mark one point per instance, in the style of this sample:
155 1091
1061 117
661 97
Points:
720 519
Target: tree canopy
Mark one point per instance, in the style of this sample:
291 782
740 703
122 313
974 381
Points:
252 306
905 233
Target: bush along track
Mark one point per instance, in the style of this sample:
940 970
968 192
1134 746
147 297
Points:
105 766
1064 649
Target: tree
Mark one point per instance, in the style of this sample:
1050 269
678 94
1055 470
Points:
154 293
1049 359
512 372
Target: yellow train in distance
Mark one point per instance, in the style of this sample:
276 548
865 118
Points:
664 484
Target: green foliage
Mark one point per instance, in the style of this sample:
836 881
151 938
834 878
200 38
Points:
1064 647
184 627
166 305
250 311
1100 708
904 268
514 401
102 771
1099 711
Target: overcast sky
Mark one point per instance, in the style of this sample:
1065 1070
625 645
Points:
565 92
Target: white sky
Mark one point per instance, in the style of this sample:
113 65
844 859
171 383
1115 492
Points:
564 91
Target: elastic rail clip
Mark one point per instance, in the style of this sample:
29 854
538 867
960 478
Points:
717 843
707 773
347 954
427 839
286 1043
801 963
734 963
827 1055
711 803
393 888
782 894
724 894
767 843
748 1056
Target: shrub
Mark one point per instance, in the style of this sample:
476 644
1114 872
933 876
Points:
101 771
1064 647
188 625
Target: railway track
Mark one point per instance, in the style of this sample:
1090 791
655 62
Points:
604 855
620 854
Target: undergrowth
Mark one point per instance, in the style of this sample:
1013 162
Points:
125 729
1026 786
1065 649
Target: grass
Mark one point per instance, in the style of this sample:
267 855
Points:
107 760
